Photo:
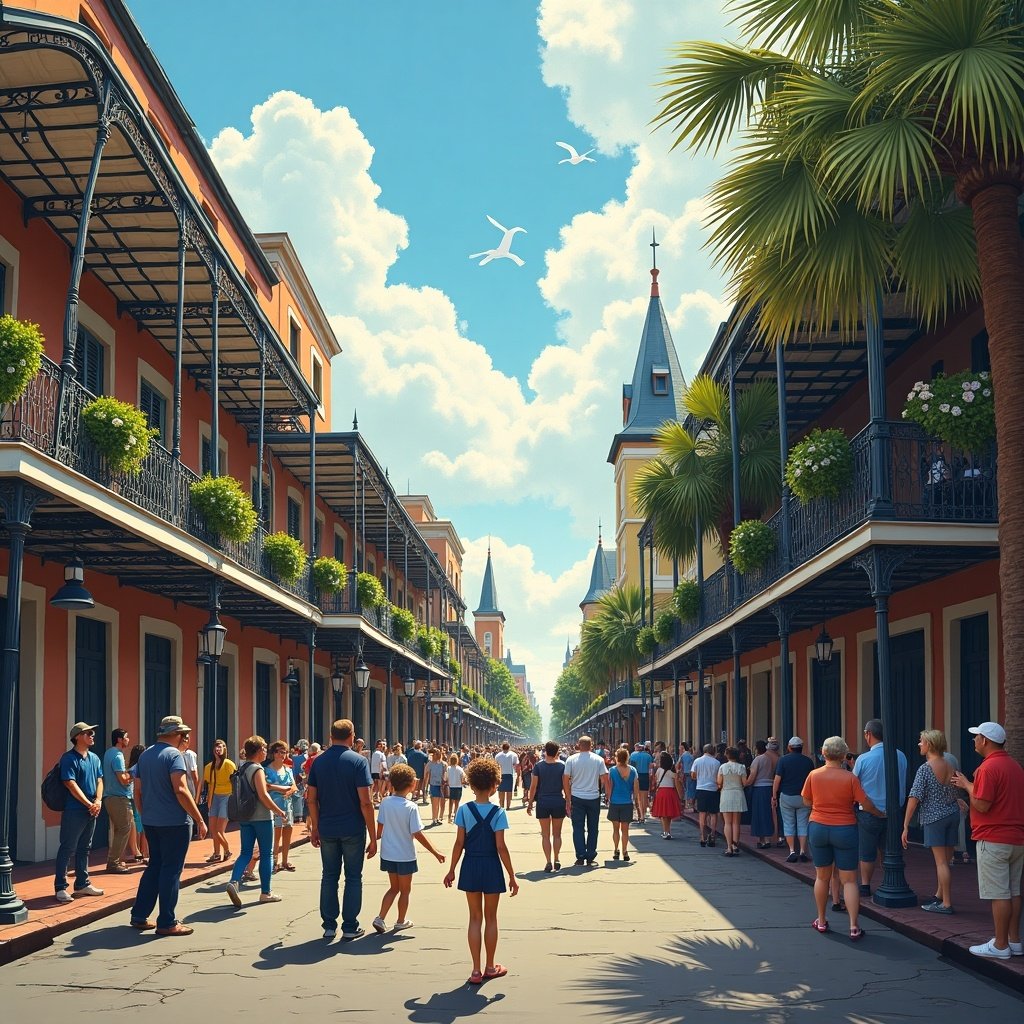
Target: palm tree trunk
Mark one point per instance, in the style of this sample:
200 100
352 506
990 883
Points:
1002 289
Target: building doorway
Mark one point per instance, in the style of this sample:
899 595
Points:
91 695
974 686
827 697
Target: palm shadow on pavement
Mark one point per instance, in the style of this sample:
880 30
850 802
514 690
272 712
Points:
448 1007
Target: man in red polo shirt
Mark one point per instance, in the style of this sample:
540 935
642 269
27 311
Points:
997 823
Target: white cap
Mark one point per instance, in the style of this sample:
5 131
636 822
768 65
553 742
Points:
795 741
990 730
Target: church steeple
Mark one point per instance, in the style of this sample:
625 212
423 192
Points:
602 574
489 619
488 591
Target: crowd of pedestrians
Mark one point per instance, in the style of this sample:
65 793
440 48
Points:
827 806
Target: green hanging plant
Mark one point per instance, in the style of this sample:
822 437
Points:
403 624
225 506
369 591
285 555
664 626
329 575
120 431
427 642
21 350
687 600
454 669
959 409
440 641
821 465
646 640
751 545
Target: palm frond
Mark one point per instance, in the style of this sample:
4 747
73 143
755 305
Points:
812 30
706 400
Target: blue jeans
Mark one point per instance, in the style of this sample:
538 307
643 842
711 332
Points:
334 852
77 826
253 832
585 814
168 845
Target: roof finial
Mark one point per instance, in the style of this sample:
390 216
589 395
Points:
599 533
654 268
355 419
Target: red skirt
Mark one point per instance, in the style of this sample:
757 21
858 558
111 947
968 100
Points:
666 803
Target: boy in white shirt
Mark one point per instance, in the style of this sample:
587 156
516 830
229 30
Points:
398 824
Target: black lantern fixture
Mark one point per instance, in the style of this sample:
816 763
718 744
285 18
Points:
213 636
823 647
337 679
202 658
73 596
291 677
361 672
437 709
409 684
690 688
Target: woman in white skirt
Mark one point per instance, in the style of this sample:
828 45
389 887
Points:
733 802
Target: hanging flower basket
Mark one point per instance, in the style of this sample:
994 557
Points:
120 431
664 626
369 591
225 506
687 600
285 555
821 465
959 409
427 643
403 624
21 349
646 640
329 575
751 545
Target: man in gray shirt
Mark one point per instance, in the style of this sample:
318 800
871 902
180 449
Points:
582 786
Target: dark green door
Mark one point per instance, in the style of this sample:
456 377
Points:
157 684
319 711
741 711
263 672
91 694
215 713
974 686
827 694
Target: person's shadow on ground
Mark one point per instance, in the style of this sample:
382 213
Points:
448 1007
317 950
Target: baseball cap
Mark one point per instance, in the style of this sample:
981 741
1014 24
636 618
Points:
795 741
990 730
79 727
170 724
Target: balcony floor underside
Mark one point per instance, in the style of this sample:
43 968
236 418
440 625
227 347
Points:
839 591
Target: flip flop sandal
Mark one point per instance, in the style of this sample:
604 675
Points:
476 978
288 867
822 927
856 933
498 972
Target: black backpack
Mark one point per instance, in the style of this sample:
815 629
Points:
53 790
243 801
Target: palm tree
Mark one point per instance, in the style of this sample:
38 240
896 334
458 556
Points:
608 639
883 140
691 479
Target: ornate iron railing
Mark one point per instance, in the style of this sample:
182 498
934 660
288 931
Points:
922 479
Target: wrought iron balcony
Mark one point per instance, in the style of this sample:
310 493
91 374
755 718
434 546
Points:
922 479
161 487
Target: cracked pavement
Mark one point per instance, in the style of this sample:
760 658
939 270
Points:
677 935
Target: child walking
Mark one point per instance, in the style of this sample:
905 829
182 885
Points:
455 777
398 824
481 836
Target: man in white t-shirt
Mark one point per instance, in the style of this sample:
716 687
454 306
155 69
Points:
379 771
508 762
582 786
191 771
705 771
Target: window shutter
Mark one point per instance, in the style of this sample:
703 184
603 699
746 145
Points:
89 356
206 460
154 405
294 519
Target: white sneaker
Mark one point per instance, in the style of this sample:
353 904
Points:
232 890
269 897
402 925
379 926
989 949
89 890
63 896
1017 949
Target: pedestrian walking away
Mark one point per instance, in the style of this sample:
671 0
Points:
340 819
454 778
508 762
547 794
641 759
217 774
733 803
791 773
168 809
623 791
764 822
434 778
667 790
705 776
581 785
81 774
481 837
418 762
398 825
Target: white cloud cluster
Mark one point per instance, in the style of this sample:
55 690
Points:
431 395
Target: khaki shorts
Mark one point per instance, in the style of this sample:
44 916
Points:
1000 867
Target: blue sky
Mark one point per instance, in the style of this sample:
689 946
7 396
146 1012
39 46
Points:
379 136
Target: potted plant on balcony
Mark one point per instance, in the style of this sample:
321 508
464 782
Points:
285 555
427 642
821 465
369 591
403 624
120 432
329 575
664 624
21 350
750 545
687 600
440 641
959 409
225 506
454 669
646 641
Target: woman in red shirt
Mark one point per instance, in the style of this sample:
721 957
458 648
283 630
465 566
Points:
831 792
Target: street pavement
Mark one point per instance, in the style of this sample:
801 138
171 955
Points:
678 934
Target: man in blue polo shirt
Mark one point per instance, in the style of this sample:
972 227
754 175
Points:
870 769
418 762
641 759
340 816
82 775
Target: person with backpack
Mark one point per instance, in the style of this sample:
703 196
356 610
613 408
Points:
166 804
252 806
81 774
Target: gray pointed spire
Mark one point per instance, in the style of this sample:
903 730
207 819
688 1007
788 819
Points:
488 591
602 573
355 419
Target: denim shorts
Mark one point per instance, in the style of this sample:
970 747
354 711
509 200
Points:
398 867
289 818
506 784
870 836
833 844
219 806
551 809
944 832
435 792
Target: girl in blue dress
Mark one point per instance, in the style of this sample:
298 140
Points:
481 836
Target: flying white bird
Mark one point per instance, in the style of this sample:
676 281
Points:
574 158
503 251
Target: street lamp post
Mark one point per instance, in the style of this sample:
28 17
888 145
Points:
212 638
409 686
361 674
